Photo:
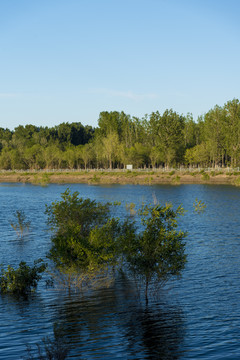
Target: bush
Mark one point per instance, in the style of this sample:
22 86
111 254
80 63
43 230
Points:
236 182
85 237
176 180
22 280
205 176
20 225
156 253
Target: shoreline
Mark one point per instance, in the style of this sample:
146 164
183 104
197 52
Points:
131 177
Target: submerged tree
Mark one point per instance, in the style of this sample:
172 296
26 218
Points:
20 225
156 253
85 238
22 280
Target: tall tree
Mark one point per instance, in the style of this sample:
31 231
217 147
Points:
111 147
167 131
232 130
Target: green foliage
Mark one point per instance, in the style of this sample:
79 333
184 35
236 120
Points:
88 246
165 140
199 206
131 209
85 237
95 179
176 179
237 181
20 225
22 280
156 253
205 176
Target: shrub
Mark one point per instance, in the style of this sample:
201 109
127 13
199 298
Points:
176 180
22 280
237 181
21 225
156 253
199 206
85 237
205 176
131 208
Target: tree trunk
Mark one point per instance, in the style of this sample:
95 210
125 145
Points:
146 291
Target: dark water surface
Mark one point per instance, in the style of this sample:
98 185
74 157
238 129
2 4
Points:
196 317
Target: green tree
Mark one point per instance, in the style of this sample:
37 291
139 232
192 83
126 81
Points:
139 155
22 280
85 238
198 155
70 157
214 135
111 148
167 132
87 154
156 253
97 147
5 159
232 131
189 132
109 122
5 137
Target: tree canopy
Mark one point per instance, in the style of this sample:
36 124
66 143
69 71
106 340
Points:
156 140
88 241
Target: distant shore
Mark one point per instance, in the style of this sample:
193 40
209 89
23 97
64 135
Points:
119 177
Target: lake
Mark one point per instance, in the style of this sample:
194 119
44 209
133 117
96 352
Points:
196 317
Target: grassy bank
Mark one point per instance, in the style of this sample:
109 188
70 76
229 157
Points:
120 177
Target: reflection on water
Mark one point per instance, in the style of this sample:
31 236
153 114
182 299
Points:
196 317
113 323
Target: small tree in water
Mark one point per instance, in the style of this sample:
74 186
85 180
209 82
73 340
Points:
20 225
85 239
22 280
157 252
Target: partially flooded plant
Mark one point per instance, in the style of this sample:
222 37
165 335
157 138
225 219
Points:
199 206
22 280
131 208
20 225
157 252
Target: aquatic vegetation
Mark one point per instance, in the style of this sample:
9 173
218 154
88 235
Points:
88 245
20 225
156 253
199 206
22 280
131 209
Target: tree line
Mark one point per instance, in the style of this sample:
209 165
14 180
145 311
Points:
154 141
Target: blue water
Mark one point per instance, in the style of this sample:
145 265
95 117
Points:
195 317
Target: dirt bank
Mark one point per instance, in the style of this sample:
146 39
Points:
100 177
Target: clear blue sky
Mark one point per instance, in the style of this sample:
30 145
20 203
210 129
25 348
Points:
68 60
